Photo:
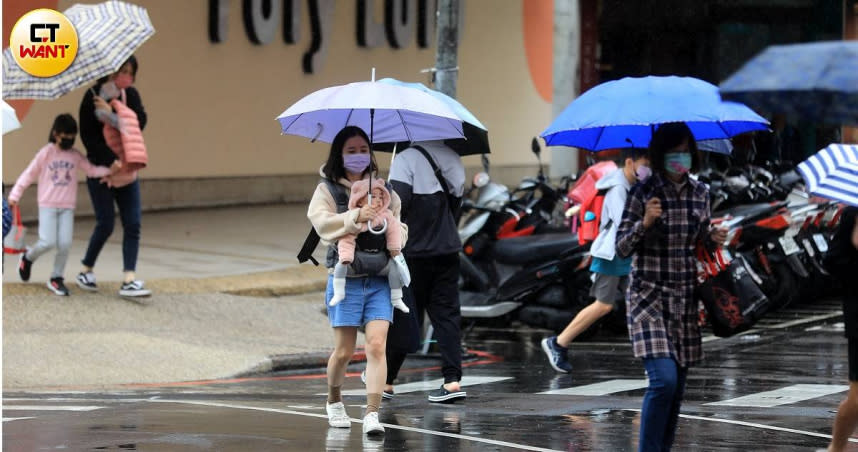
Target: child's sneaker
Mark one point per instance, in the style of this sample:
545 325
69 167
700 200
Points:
24 267
556 354
134 289
86 281
396 300
56 285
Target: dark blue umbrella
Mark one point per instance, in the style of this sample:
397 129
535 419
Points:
815 81
624 113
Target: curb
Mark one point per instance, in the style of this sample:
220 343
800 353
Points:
293 280
296 361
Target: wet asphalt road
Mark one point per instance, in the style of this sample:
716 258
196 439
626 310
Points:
775 389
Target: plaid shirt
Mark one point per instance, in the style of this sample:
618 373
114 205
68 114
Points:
661 308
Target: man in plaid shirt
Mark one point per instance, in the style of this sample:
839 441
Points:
664 220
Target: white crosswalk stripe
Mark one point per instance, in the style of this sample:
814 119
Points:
431 385
601 388
50 408
783 396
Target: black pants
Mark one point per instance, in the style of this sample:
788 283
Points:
434 290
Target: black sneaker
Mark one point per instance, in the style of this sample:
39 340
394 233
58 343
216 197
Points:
556 355
134 289
86 281
24 267
56 285
442 395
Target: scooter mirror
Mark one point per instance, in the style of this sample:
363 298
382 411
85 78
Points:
481 179
534 146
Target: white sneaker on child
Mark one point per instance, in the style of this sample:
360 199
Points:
396 300
339 291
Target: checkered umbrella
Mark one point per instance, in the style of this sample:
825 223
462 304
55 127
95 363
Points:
108 33
10 119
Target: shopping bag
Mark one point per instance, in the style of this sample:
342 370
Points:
15 241
733 300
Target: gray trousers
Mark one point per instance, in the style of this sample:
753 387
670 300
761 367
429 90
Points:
55 230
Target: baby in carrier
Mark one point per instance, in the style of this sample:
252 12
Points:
395 268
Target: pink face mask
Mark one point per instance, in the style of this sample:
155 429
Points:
123 80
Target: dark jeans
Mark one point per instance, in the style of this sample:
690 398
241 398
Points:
127 198
661 404
434 286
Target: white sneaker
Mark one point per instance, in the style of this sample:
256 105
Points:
339 291
337 416
396 300
86 281
134 289
371 426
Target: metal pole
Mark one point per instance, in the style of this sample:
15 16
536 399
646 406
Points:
565 71
446 56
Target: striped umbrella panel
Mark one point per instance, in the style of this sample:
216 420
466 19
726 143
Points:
833 173
108 33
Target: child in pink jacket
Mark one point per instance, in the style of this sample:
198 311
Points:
55 168
346 245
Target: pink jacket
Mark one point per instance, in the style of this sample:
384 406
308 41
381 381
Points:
360 189
127 143
56 172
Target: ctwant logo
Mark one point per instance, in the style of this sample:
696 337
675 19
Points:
44 42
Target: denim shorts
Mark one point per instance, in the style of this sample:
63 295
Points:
366 299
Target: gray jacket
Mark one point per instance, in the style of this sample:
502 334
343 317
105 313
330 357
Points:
605 245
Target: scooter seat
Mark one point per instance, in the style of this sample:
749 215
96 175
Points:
541 247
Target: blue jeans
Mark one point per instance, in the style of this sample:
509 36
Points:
127 198
661 404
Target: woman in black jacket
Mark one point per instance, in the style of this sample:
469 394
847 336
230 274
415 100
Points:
94 113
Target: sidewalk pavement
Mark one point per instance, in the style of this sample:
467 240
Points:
228 298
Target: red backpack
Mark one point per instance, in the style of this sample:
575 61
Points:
591 217
591 200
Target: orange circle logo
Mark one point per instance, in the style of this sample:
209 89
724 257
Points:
44 42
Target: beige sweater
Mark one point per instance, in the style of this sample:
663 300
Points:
331 225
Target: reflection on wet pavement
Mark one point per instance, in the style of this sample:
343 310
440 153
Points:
592 409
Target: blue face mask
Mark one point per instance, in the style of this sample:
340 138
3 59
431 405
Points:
677 163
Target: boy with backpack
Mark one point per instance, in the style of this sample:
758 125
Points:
609 270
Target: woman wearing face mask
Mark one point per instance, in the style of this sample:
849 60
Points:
367 297
55 167
663 222
95 112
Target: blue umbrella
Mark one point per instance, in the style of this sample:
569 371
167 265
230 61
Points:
814 81
833 173
624 113
717 146
476 135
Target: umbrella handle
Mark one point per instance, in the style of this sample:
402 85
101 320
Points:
379 231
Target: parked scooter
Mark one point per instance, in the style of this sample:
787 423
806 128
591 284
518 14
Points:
509 262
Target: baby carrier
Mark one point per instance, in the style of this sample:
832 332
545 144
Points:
371 254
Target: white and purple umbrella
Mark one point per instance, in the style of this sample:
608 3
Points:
833 173
388 113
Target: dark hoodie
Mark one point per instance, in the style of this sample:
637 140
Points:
91 129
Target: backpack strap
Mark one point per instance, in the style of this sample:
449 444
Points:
312 240
441 180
